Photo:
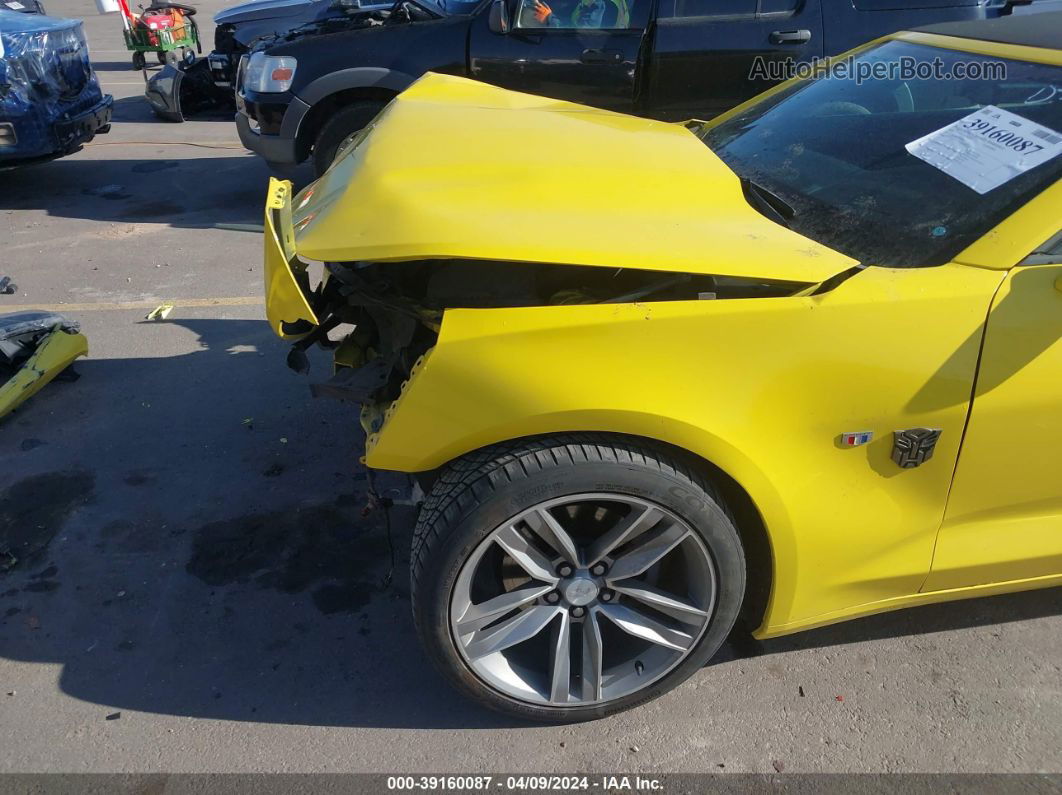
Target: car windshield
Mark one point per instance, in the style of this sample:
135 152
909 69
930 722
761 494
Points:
834 148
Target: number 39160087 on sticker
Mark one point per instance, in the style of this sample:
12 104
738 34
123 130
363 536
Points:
988 148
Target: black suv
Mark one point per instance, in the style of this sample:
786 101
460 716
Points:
301 95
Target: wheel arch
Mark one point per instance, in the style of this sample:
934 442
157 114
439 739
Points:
760 543
334 91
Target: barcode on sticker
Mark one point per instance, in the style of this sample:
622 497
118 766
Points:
1046 136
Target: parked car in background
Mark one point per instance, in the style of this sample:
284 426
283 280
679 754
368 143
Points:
50 100
185 89
23 6
238 27
799 362
305 94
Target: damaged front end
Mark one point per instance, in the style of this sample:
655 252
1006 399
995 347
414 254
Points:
382 319
445 255
35 348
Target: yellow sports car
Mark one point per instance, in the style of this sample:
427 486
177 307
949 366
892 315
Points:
801 362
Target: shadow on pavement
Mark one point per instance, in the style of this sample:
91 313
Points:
165 184
192 541
200 546
136 109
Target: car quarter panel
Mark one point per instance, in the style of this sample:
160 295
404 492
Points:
762 388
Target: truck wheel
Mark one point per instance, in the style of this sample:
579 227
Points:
343 125
571 577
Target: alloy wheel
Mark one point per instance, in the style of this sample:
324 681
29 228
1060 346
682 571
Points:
582 600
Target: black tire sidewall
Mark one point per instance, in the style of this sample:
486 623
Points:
344 122
670 490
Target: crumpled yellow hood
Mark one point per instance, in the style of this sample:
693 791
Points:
457 168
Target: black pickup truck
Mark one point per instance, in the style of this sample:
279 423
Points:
303 94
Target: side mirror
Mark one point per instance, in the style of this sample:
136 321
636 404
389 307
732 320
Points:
499 17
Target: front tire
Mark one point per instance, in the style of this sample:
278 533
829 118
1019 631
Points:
571 577
337 130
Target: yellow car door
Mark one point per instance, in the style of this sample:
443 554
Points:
1004 516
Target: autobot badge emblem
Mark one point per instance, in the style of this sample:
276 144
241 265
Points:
856 438
914 446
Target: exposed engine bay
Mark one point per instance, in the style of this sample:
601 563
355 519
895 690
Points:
396 310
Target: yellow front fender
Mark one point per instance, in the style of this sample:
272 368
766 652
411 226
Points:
762 388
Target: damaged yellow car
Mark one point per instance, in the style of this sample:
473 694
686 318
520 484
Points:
800 363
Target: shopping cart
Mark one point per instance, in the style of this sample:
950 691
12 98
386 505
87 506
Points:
167 29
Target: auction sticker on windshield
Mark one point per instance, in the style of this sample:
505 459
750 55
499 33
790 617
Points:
988 148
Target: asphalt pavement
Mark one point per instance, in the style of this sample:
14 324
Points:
201 588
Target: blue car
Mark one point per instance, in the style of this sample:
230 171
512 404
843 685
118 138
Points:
50 99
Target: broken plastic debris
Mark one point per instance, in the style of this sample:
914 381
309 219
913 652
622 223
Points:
159 312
